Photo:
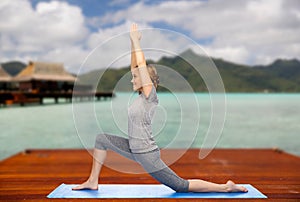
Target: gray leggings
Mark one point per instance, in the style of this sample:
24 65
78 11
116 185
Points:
150 161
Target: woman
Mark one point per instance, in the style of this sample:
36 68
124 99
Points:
140 146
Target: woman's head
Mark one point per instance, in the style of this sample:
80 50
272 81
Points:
136 79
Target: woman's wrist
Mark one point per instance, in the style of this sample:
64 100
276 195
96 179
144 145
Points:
135 43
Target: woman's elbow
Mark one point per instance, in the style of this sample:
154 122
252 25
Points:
141 63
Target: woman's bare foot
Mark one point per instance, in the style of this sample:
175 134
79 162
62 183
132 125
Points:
232 187
86 185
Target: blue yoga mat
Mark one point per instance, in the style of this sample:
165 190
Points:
144 191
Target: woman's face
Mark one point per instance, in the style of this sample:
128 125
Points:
136 79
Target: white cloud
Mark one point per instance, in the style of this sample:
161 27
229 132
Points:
35 33
60 22
253 31
111 46
72 56
244 31
237 54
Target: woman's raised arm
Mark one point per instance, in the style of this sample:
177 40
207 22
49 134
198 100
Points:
138 59
135 37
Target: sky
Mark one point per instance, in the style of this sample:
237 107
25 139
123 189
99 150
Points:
251 32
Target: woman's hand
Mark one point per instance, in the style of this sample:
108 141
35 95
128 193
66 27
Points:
135 35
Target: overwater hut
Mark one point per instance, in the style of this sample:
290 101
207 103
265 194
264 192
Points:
5 80
44 77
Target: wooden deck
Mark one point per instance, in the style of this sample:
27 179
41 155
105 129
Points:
33 174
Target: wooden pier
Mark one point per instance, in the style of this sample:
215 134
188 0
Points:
23 98
33 174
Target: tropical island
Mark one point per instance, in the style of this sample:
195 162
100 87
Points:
280 76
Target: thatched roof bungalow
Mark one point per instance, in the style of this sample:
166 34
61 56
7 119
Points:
4 76
5 79
42 76
45 72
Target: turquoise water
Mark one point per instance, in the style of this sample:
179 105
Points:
251 121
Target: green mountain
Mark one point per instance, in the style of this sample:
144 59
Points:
288 70
108 80
241 78
280 76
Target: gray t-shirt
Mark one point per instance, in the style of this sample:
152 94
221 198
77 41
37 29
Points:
140 114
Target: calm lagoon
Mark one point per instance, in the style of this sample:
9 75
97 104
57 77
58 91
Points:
252 120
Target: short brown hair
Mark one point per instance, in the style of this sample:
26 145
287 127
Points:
153 74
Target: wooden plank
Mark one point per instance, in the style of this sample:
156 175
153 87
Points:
33 174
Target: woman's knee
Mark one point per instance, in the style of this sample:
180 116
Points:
183 186
100 142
